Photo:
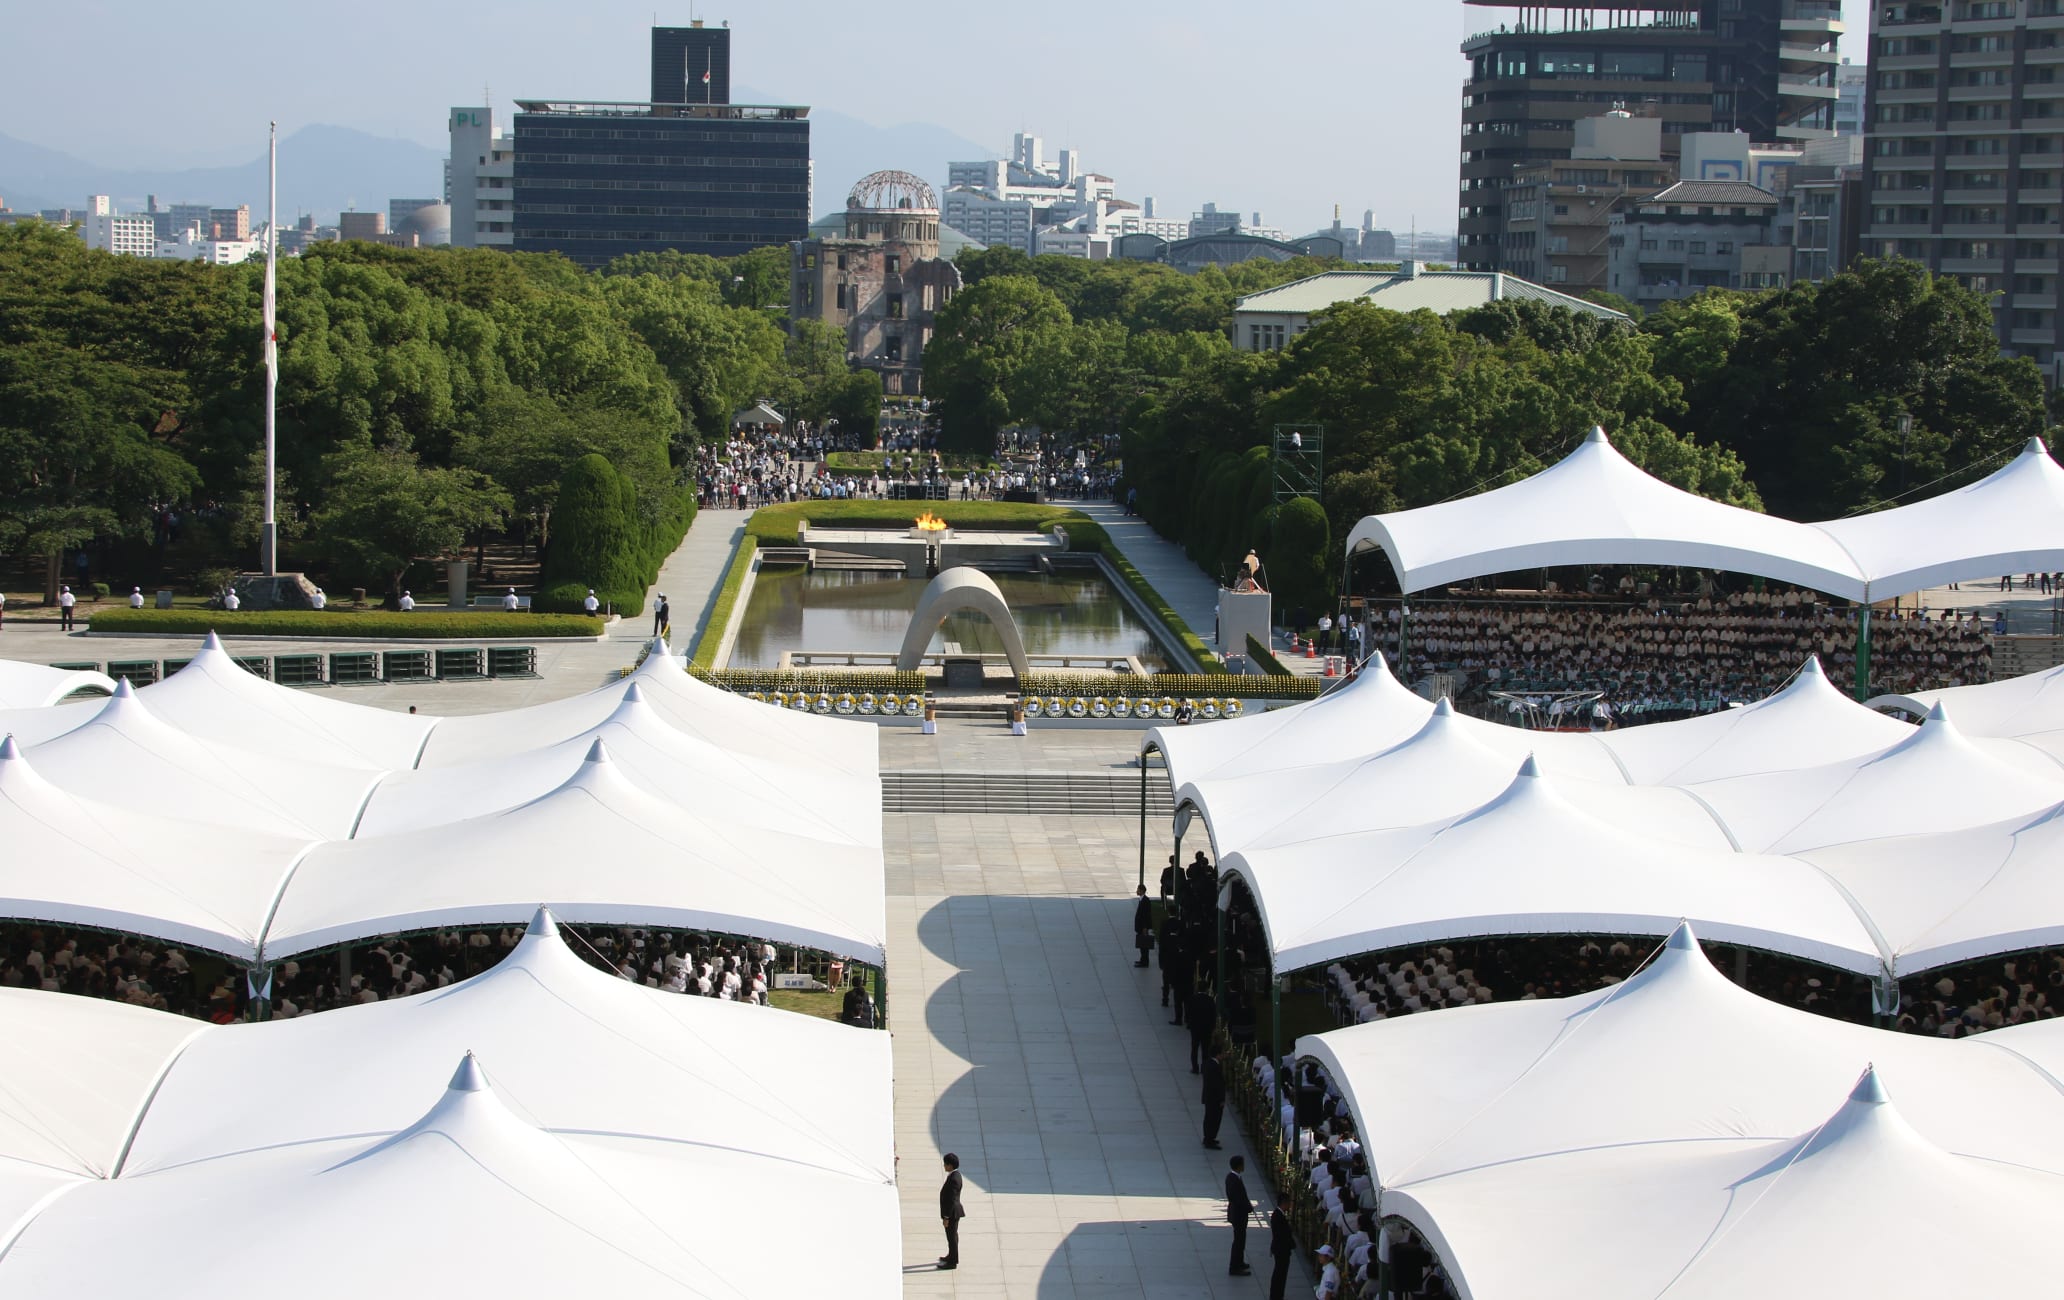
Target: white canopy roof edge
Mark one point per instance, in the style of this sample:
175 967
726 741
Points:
1532 862
212 698
36 686
1596 507
2011 709
646 860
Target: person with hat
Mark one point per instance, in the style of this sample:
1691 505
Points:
509 601
136 598
951 1213
1329 1275
589 603
65 601
408 602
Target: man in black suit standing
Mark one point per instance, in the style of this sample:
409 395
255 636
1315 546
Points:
950 1213
1214 1099
1238 1210
1203 1021
1280 1246
1143 927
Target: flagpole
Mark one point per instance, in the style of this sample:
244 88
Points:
268 541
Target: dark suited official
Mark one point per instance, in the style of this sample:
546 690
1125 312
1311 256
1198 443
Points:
950 1212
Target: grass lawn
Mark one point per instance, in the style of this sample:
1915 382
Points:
874 462
336 622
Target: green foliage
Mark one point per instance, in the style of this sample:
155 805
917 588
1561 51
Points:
1300 553
776 525
386 625
1178 686
979 366
824 681
385 510
1266 658
595 540
726 606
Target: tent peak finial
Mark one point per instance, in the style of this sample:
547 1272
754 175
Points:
8 749
542 924
1597 434
597 752
632 695
1812 668
1682 939
1870 1089
1442 708
468 1077
2036 447
1936 713
1532 766
213 641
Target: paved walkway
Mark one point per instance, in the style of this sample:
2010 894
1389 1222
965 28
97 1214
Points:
1027 1044
693 573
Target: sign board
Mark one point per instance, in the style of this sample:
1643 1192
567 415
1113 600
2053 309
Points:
796 982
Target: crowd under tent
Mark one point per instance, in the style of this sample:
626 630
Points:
542 1126
1635 1110
36 686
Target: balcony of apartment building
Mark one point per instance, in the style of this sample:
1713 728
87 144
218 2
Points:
1909 15
1814 17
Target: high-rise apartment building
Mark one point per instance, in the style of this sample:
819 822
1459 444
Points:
1965 153
691 65
1763 67
598 180
480 181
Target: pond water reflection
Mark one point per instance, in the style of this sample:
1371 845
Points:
834 609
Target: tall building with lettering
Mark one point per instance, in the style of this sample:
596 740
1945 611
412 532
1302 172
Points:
1767 68
1965 151
596 180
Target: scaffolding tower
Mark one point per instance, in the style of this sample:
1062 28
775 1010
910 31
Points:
1297 463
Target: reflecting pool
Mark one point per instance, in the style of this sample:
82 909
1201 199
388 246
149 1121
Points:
791 608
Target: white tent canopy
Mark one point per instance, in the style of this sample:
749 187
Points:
78 861
2018 708
159 769
1936 779
1531 862
35 686
1674 1053
1596 507
658 756
1802 1217
600 851
214 699
1960 895
576 1151
1588 1146
1368 713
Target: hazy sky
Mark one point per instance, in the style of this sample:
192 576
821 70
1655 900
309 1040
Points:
1288 108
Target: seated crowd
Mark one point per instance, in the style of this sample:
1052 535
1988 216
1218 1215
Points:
1958 1001
1653 658
166 977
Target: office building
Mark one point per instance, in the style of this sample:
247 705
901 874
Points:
400 210
1696 235
691 65
1558 213
111 232
1766 68
1850 81
480 181
193 246
599 180
1966 150
229 223
881 279
1822 205
1009 202
368 226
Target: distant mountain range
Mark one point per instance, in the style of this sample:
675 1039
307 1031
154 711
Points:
323 169
329 169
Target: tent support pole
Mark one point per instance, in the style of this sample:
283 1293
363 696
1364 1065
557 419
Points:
1404 641
881 994
1143 819
1863 649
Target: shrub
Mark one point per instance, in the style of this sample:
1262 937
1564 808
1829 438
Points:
726 604
388 625
1266 658
595 541
1178 685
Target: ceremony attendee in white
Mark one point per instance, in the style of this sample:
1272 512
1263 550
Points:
509 601
408 602
136 598
591 604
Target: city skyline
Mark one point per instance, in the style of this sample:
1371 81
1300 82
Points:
1299 118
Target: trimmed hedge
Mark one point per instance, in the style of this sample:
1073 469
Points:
375 624
875 462
1266 657
776 525
727 600
604 537
1145 591
1175 685
831 681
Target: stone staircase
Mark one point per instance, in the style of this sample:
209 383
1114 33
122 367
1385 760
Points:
1028 794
